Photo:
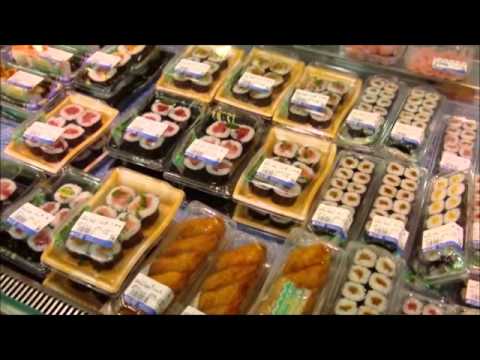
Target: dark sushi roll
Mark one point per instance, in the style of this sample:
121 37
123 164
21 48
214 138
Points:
90 120
220 172
281 68
172 130
261 98
152 149
297 113
131 234
243 133
7 189
57 121
55 152
34 147
160 108
280 221
181 115
39 242
240 92
286 197
83 159
202 84
77 248
71 112
285 149
321 119
104 258
130 141
73 134
219 129
181 81
145 207
235 149
194 168
307 174
214 69
259 188
309 155
257 215
120 197
222 61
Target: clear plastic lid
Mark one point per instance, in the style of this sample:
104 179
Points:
377 54
410 302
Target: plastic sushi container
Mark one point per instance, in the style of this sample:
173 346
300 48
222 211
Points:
212 153
305 274
59 197
199 71
150 150
40 143
465 292
409 302
443 62
285 175
378 54
382 95
474 233
319 101
24 93
394 215
442 249
140 207
349 188
366 283
418 123
258 84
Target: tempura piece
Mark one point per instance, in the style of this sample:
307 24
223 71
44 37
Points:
229 276
184 263
228 295
174 280
305 257
201 243
242 256
201 226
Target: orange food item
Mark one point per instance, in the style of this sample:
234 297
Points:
185 263
228 276
174 280
304 257
201 226
231 295
312 277
201 243
242 256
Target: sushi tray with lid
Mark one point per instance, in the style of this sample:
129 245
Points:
24 93
411 302
386 55
99 245
382 95
349 189
49 141
142 142
319 101
22 241
366 283
464 292
259 83
442 249
213 153
305 273
199 71
285 175
394 214
180 262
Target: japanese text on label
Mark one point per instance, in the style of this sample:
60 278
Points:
25 80
97 229
333 218
363 119
148 129
43 133
449 235
256 82
207 152
387 229
309 100
278 173
408 133
30 219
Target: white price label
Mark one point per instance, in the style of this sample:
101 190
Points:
148 129
363 119
190 310
55 54
472 294
449 65
97 229
449 235
25 80
310 100
204 151
408 133
387 229
30 219
453 162
102 59
147 295
476 235
278 173
43 133
334 218
256 82
192 68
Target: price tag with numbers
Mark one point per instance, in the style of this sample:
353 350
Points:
408 134
334 218
30 219
43 133
148 129
97 229
256 82
310 100
192 68
210 153
363 119
390 230
278 173
448 235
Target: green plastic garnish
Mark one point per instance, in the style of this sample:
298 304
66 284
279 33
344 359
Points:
251 174
39 199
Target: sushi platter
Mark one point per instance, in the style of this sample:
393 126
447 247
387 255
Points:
240 180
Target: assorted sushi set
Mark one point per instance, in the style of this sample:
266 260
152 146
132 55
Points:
412 303
378 54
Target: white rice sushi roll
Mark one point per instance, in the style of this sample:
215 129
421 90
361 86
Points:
345 307
361 178
366 310
120 197
436 207
402 207
412 306
383 203
343 173
380 283
359 274
409 185
441 184
357 188
456 189
452 216
366 166
457 178
453 202
81 199
66 193
365 257
77 248
353 291
376 300
334 195
351 199
392 180
395 169
377 212
434 221
338 183
388 191
349 162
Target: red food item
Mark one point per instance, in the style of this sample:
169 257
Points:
220 127
180 112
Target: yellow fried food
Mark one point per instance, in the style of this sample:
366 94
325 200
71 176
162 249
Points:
201 243
229 276
305 257
201 226
228 295
174 280
184 263
232 309
310 278
242 256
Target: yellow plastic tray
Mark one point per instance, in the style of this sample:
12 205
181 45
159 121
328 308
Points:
18 150
111 281
300 209
281 113
224 95
165 83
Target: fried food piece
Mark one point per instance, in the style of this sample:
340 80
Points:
184 263
229 295
313 277
305 257
232 309
229 276
201 226
201 243
250 254
174 280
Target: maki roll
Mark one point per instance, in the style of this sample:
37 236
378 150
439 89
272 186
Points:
181 81
441 184
395 169
434 221
160 108
180 115
7 189
392 180
298 113
104 258
456 189
211 140
359 274
172 129
234 147
66 193
377 212
452 216
386 266
16 233
71 112
351 199
39 242
146 207
431 309
309 155
321 119
402 207
349 162
51 207
257 215
286 197
338 87
55 152
383 203
219 129
346 307
193 167
361 178
281 68
357 188
34 147
280 221
57 121
152 116
307 174
81 199
343 173
152 148
366 166
340 184
285 149
353 291
365 257
214 69
438 195
130 140
240 92
131 234
376 300
380 283
106 211
334 195
120 197
275 77
412 306
243 133
457 178
90 121
388 191
220 172
261 98
260 188
73 134
77 248
453 202
365 310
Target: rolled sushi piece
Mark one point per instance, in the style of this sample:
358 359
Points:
55 152
60 217
395 169
380 283
240 92
57 121
343 173
73 134
180 114
219 129
77 248
152 148
286 197
257 215
131 234
365 310
351 199
431 309
357 188
202 84
298 113
349 162
51 207
72 112
261 98
321 119
160 108
365 257
452 216
172 129
346 307
235 149
456 189
67 193
7 188
220 172
402 207
145 207
376 300
377 212
361 178
280 222
34 147
453 202
359 274
260 188
285 149
412 306
392 180
193 167
457 178
353 291
386 266
307 174
440 184
334 195
434 221
383 203
17 233
309 155
90 121
243 133
104 258
120 197
181 81
106 211
438 195
152 116
40 241
388 191
366 167
340 184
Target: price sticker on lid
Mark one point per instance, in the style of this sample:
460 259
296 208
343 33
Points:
449 65
192 68
209 153
407 133
97 229
55 54
448 235
453 162
256 82
310 100
43 133
363 119
388 229
104 60
148 129
334 218
25 80
472 294
147 295
30 219
278 173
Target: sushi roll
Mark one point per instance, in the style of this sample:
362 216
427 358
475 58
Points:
399 217
193 167
410 108
321 119
66 193
457 178
275 77
39 242
172 130
438 195
280 222
365 310
434 221
380 283
240 92
372 90
430 104
441 184
34 147
71 112
388 191
357 188
376 300
456 189
405 195
395 169
211 139
353 291
383 203
285 149
257 215
377 212
16 233
220 172
364 107
106 211
436 207
349 162
298 114
369 99
377 83
281 68
414 101
235 149
402 207
286 197
420 125
346 307
152 116
79 249
431 309
152 148
366 166
359 274
453 202
146 207
308 155
214 69
333 100
7 189
412 306
426 111
243 133
343 173
131 234
181 81
120 197
417 92
160 108
365 257
452 216
51 207
433 96
334 195
409 185
391 86
105 258
57 121
261 98
307 173
380 110
73 134
219 129
80 199
385 103
422 118
405 120
351 199
90 121
55 152
361 178
338 183
181 115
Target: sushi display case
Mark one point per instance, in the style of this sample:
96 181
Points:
199 71
49 141
152 149
213 153
259 83
136 210
319 101
285 175
21 243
